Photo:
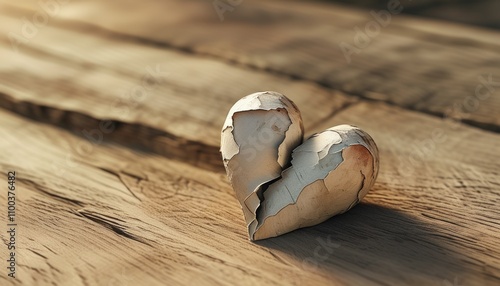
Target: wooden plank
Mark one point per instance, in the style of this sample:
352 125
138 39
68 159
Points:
98 213
437 175
430 66
103 215
94 213
479 12
164 100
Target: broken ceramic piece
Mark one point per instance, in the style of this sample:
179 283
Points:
258 137
283 185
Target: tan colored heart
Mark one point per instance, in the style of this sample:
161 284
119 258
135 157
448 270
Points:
283 184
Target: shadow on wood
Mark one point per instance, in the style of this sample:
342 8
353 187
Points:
372 238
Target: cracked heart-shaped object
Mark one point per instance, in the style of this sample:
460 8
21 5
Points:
283 184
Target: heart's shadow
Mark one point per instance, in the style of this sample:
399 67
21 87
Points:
372 241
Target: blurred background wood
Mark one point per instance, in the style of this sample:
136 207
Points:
111 114
479 12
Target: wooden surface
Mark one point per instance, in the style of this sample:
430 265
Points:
422 65
478 12
148 202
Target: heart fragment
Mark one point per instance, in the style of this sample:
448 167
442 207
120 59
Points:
283 185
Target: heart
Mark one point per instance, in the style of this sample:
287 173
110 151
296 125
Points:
283 183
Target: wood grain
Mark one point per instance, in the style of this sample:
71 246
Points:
146 202
97 214
421 64
104 215
151 95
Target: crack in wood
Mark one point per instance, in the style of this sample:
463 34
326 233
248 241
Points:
76 122
118 174
112 224
45 190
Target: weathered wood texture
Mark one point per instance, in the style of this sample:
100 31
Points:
93 214
479 12
99 213
154 95
424 65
